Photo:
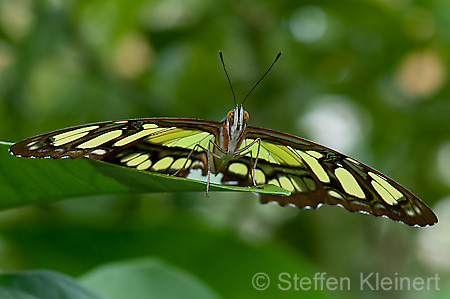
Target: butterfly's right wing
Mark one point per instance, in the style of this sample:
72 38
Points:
318 175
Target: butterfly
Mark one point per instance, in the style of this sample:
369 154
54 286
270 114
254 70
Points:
238 154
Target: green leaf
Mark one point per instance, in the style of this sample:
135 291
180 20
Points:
145 278
31 181
43 284
220 260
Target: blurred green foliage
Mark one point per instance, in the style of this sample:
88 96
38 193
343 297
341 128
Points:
366 77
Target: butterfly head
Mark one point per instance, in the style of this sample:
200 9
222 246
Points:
237 118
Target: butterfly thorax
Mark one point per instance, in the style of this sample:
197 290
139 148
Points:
234 127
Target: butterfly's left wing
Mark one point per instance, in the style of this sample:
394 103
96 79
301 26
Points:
316 175
164 145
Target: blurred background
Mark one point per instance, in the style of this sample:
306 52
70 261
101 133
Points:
367 78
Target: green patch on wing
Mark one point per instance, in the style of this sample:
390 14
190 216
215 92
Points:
34 181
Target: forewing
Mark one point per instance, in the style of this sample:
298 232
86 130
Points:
163 145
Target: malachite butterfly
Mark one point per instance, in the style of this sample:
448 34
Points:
240 155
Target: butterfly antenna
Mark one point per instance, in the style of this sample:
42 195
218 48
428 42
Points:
228 77
278 56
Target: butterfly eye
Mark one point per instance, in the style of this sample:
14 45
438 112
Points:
230 116
246 116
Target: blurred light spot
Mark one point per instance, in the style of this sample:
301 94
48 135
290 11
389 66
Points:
434 242
419 23
132 55
420 74
334 122
98 22
6 58
49 82
56 4
16 18
443 162
166 14
308 24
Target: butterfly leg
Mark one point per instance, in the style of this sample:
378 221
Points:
208 161
211 153
189 156
209 168
256 162
257 140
